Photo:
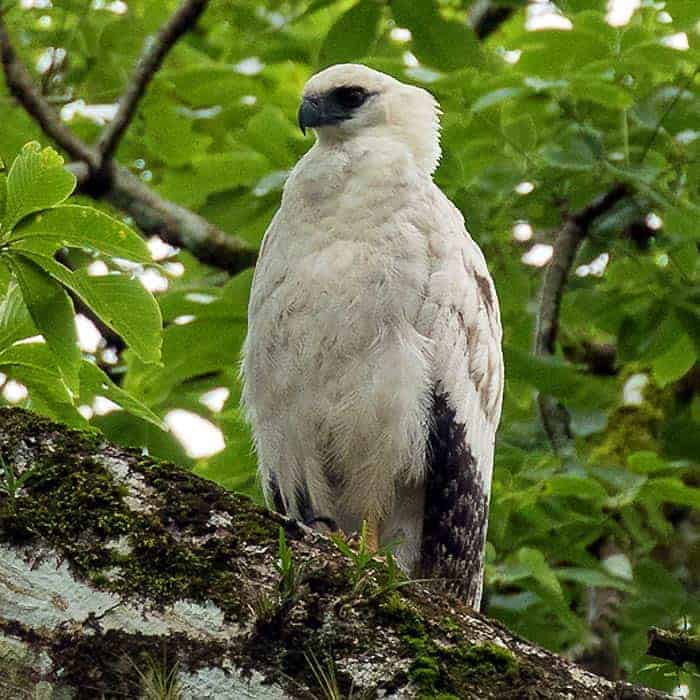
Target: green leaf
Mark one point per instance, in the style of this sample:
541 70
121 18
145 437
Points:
3 192
444 44
121 302
37 180
35 365
169 134
15 321
94 382
313 7
36 355
534 562
646 462
496 97
672 490
353 35
521 133
592 577
574 153
557 378
682 224
605 94
52 311
576 487
194 349
218 172
628 493
84 227
675 362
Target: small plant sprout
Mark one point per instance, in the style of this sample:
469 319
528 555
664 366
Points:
324 673
158 679
290 575
11 484
365 563
265 608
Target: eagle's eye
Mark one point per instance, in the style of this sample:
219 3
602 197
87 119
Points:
350 97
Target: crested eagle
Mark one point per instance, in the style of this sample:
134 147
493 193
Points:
373 371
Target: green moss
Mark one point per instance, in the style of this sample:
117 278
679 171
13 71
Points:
634 428
445 672
484 660
73 501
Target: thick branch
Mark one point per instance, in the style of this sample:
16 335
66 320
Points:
673 646
178 225
111 561
153 214
555 418
150 61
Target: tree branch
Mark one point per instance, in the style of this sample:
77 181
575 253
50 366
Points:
109 559
150 61
22 87
555 418
673 646
486 17
107 180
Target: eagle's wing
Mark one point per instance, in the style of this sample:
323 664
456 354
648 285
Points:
462 318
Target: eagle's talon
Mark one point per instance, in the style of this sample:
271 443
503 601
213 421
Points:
322 524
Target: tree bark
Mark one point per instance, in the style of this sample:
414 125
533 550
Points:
119 573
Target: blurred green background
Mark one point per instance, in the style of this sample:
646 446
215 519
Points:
552 109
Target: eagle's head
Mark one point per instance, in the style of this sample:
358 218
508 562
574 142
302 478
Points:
349 101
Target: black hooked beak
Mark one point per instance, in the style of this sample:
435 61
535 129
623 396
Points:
310 113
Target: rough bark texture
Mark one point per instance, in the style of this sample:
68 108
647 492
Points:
116 568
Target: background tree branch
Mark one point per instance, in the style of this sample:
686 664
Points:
486 16
674 646
105 179
154 53
555 417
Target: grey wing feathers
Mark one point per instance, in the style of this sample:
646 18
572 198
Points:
468 385
456 507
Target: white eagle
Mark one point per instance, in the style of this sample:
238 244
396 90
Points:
373 372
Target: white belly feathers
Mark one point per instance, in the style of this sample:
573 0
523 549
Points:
337 377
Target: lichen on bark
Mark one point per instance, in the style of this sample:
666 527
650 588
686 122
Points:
109 558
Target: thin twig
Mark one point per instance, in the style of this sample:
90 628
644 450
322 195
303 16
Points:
148 64
22 87
667 111
555 418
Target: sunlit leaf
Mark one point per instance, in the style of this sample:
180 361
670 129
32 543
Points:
120 301
83 227
94 382
37 180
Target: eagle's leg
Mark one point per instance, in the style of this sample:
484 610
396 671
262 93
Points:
371 532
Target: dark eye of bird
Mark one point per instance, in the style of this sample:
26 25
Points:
350 97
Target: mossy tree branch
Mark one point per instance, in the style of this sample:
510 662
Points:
113 564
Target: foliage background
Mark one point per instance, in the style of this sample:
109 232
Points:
586 550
